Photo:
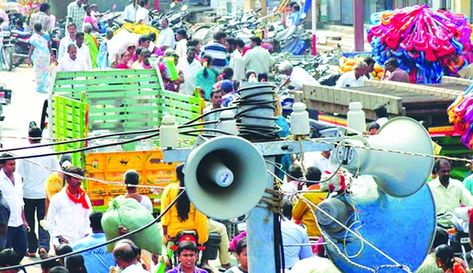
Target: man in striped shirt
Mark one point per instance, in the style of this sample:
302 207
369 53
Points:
217 50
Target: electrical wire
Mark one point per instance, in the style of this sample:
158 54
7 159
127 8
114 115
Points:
78 140
305 180
189 132
110 183
208 113
124 236
70 141
86 148
356 234
352 232
205 130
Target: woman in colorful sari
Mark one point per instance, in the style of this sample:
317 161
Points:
40 57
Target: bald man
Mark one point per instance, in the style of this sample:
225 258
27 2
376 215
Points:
70 62
126 257
296 76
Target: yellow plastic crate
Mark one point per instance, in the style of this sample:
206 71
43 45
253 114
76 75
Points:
111 166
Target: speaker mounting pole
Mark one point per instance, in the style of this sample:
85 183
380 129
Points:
260 234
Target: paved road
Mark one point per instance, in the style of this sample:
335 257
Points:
26 106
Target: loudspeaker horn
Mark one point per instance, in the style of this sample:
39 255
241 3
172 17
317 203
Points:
397 174
225 177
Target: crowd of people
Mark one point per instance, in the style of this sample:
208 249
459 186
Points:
185 64
42 201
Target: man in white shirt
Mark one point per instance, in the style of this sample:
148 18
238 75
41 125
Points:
181 42
83 51
355 78
68 212
236 58
129 14
11 187
189 66
448 193
166 37
257 58
70 62
70 38
297 76
320 160
142 14
35 171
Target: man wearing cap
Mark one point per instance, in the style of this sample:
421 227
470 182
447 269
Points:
257 58
296 76
35 171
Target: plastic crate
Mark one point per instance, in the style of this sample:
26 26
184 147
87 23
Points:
111 166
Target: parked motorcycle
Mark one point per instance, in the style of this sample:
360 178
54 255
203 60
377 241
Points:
21 46
6 49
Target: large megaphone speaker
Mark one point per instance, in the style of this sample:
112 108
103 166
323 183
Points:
397 173
225 177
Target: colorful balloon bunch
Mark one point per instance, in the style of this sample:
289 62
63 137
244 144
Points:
428 44
460 113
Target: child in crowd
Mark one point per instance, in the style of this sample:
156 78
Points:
241 255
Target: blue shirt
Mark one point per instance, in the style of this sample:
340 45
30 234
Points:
97 260
293 234
295 18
